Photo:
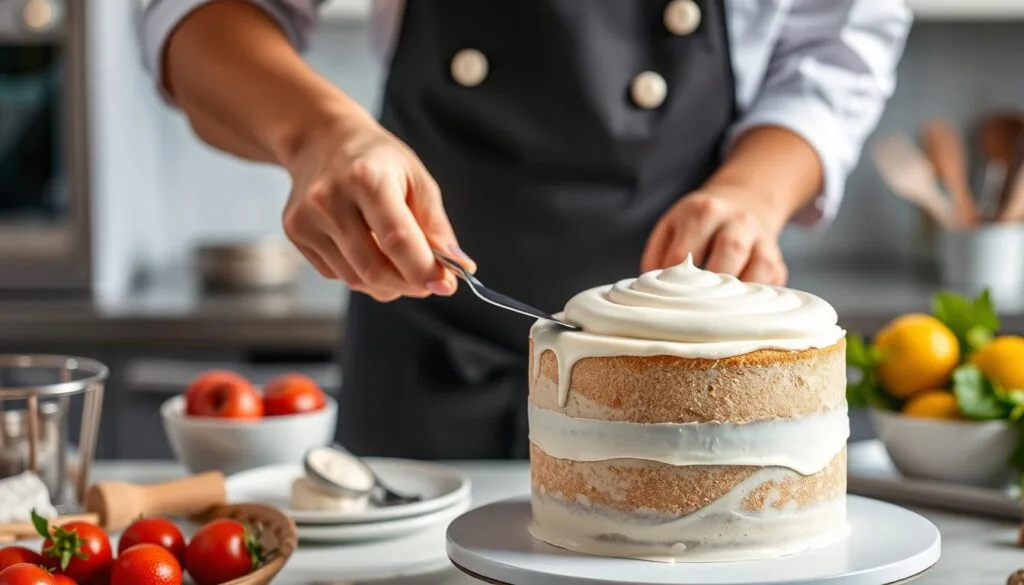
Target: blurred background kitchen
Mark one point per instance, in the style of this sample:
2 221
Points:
123 238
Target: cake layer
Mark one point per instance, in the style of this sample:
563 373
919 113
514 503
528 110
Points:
762 385
806 444
650 487
656 511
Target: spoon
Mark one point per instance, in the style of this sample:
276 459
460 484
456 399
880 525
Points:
340 472
496 298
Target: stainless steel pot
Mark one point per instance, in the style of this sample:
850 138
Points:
36 397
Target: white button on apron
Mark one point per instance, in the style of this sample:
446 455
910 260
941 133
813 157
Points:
469 67
682 17
649 90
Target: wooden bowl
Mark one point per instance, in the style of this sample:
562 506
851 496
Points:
278 534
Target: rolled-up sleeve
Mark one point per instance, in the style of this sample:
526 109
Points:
296 17
827 79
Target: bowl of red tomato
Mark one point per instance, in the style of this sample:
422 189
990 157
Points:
225 423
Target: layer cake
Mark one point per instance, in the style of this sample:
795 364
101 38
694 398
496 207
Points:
694 418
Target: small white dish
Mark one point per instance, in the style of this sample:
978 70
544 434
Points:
440 487
384 530
228 445
964 452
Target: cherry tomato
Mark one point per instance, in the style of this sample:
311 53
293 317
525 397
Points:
146 564
158 531
25 574
223 394
12 555
292 394
220 551
59 579
77 549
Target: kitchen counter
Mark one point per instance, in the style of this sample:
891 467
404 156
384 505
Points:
974 550
173 309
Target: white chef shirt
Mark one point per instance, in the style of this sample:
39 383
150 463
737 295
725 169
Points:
820 68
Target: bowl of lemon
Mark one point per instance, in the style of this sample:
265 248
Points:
946 392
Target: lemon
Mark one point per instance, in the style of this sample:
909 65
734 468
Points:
1002 361
933 404
918 353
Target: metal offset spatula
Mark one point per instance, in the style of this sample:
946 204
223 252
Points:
496 298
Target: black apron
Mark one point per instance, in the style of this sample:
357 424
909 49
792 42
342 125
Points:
553 177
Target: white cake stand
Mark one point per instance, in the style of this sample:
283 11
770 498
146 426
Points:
887 544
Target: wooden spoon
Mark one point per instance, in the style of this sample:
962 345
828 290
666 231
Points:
946 151
998 136
909 174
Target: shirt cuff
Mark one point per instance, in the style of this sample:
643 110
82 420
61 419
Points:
816 123
163 16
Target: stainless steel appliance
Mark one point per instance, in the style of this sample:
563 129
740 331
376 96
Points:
44 185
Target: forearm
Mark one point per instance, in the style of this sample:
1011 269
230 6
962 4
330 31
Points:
773 171
243 86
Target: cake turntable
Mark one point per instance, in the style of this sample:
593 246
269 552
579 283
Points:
886 545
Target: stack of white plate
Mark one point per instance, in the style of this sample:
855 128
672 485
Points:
445 494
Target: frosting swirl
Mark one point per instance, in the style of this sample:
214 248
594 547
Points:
689 305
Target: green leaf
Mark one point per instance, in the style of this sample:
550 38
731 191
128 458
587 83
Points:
866 392
976 396
973 321
857 352
42 525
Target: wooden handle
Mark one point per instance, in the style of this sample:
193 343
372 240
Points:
119 504
26 530
945 150
186 497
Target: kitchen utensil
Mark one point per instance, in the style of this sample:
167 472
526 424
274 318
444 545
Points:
885 544
946 151
439 486
495 298
1013 209
909 174
319 459
247 265
871 473
119 503
209 443
276 533
36 394
998 137
13 531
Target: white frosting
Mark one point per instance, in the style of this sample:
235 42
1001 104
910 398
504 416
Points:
805 445
720 531
686 312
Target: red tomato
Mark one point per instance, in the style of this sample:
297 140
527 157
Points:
146 564
292 394
221 551
223 394
158 531
12 555
25 574
79 550
59 579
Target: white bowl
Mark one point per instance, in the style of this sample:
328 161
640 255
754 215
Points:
964 452
208 444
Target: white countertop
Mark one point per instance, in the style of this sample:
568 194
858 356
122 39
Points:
974 550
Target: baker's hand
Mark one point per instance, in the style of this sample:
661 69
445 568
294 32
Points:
726 230
363 209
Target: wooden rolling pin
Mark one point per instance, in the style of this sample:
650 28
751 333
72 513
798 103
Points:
118 503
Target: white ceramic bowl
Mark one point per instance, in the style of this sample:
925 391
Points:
964 452
207 444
